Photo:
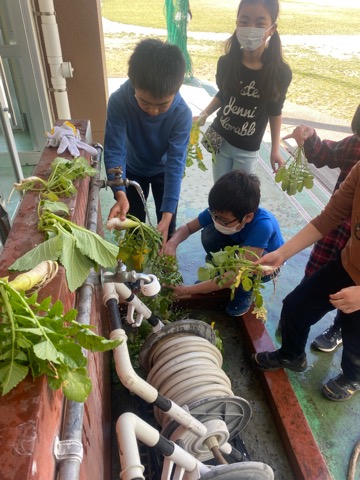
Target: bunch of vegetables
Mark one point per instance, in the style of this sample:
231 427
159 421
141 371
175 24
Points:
60 181
139 243
38 338
231 268
194 152
68 243
140 250
294 175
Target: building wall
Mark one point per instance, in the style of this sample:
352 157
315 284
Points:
81 36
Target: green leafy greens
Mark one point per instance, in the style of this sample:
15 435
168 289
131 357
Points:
75 247
60 181
230 268
295 174
139 248
39 338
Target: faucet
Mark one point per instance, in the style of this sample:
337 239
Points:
121 275
118 180
149 284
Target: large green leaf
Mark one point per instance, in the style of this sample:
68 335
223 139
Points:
72 353
46 351
55 207
93 342
75 384
48 250
93 246
10 375
77 266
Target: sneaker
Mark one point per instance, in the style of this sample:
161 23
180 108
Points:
240 304
340 389
328 340
269 361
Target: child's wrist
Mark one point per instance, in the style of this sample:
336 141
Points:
203 114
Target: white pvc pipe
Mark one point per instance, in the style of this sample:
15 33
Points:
58 69
129 429
140 387
125 371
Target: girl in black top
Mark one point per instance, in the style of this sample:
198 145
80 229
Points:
252 79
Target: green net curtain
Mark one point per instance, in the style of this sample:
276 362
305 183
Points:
176 13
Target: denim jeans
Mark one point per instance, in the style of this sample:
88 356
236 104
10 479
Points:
232 158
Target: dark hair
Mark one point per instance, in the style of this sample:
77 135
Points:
236 192
272 57
355 123
156 67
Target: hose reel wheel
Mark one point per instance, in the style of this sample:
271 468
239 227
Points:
243 470
233 413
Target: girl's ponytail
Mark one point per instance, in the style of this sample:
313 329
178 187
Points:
272 59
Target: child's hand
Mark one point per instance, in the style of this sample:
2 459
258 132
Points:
276 161
121 206
272 259
170 249
164 230
200 119
300 134
347 300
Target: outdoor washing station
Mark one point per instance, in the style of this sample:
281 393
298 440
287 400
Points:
43 436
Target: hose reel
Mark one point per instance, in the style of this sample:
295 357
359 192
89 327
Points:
183 364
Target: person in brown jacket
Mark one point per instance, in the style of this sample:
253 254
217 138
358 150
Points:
335 285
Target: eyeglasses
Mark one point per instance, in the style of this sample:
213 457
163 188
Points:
222 222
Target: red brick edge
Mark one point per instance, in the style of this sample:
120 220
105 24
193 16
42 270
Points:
301 448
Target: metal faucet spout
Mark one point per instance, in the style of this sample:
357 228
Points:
121 275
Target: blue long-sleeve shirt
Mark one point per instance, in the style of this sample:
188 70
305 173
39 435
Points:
148 145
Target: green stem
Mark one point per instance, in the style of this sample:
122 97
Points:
20 299
9 311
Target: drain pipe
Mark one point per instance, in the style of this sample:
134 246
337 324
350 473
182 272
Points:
69 451
59 69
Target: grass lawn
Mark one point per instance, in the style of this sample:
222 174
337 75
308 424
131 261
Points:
331 85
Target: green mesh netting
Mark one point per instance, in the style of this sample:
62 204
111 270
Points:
176 13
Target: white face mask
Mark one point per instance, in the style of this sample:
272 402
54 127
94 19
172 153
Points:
226 230
251 38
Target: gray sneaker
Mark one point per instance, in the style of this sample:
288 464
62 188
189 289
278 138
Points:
328 340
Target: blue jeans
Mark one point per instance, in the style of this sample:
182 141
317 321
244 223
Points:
232 158
308 303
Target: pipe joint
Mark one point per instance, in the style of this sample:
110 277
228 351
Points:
68 449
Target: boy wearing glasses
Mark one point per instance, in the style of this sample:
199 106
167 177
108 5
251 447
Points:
233 218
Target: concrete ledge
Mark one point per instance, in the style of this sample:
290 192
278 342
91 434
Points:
31 414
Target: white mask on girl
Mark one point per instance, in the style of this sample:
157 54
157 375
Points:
251 38
226 230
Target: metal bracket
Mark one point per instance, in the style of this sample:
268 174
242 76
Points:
43 14
65 449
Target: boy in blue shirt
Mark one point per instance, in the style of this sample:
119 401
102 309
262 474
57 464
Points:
147 133
233 218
